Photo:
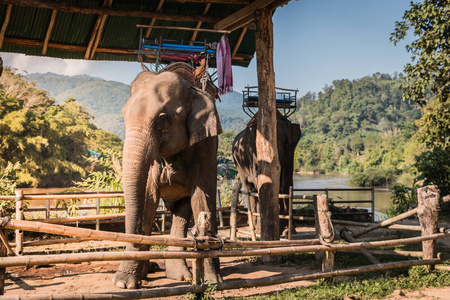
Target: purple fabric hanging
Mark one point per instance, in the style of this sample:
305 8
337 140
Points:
224 71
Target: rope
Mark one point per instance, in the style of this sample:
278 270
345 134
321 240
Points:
219 238
4 221
195 240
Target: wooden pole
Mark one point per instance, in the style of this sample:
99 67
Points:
326 230
5 24
142 239
30 260
349 238
198 273
290 222
3 252
320 256
232 284
49 32
19 217
250 220
233 210
97 210
387 222
219 205
266 135
428 213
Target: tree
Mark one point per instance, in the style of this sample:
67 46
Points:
430 21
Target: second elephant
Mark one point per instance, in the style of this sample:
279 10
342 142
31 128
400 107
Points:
244 156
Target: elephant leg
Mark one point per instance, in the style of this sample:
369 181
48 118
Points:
181 214
132 272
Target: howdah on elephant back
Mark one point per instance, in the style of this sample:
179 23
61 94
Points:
244 156
169 153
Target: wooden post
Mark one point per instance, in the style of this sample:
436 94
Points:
428 206
324 230
349 238
266 134
3 253
202 227
19 216
291 195
219 205
250 220
372 199
97 223
163 222
233 210
47 209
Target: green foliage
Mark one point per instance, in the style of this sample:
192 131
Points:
360 127
403 198
429 21
49 141
375 287
8 184
434 168
226 189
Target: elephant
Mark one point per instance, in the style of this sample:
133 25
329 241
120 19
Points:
244 156
170 153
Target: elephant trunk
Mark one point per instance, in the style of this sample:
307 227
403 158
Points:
139 153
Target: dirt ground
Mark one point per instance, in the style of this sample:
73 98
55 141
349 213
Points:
96 277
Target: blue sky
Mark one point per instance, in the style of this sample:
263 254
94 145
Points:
316 42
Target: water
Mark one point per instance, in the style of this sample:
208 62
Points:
382 194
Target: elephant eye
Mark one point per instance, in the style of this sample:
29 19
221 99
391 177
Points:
163 122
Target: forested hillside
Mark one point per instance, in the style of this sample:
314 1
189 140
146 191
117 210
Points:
105 99
50 141
362 127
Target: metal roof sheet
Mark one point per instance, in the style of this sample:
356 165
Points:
72 31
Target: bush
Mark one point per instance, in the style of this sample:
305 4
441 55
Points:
373 177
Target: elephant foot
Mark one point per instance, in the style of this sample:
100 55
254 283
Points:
177 269
130 274
212 271
126 281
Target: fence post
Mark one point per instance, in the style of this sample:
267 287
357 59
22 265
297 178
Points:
250 220
372 199
3 253
203 226
324 230
19 216
163 218
428 212
219 204
47 209
291 195
97 223
233 210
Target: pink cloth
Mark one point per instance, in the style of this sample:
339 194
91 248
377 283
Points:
184 57
224 71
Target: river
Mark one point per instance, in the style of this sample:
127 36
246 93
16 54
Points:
382 194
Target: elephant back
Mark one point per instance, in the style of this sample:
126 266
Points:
186 71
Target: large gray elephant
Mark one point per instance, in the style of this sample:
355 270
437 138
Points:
170 153
244 156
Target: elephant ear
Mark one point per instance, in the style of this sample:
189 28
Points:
203 119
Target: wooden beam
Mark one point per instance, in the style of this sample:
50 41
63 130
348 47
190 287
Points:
238 42
97 25
266 134
5 24
244 2
247 21
76 48
49 32
242 13
109 11
183 28
153 21
199 24
100 30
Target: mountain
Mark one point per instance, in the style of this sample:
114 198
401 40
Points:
105 99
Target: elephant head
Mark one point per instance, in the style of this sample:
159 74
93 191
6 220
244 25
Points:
164 114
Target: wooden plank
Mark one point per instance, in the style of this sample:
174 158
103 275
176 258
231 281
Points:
238 42
49 32
266 135
5 24
199 24
183 28
242 13
153 21
71 8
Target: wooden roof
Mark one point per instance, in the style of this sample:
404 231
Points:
106 29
